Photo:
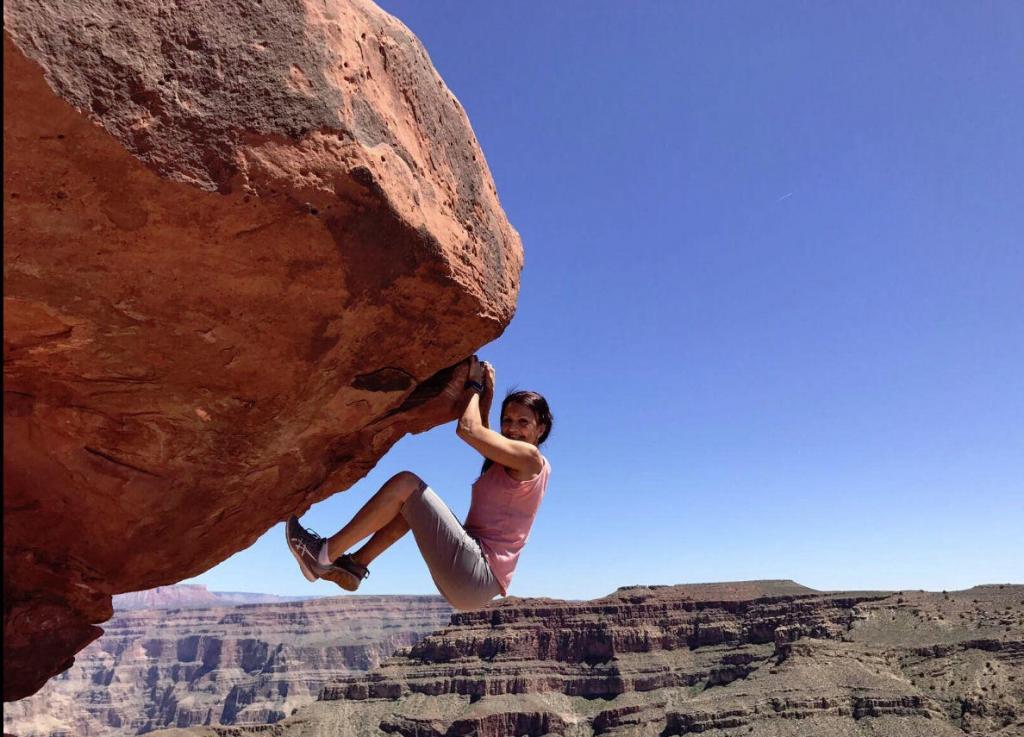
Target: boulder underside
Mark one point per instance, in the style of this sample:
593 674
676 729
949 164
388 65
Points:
247 249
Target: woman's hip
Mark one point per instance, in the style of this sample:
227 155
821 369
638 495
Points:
455 559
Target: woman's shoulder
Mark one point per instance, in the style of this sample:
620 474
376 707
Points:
510 477
545 470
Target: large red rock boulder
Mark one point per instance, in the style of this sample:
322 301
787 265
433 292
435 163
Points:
247 246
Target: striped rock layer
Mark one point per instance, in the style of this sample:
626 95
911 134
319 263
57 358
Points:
247 664
760 659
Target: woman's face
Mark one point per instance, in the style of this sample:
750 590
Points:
520 423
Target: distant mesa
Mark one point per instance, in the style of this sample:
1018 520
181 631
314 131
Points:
739 590
192 595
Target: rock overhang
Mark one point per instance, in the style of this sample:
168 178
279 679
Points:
247 247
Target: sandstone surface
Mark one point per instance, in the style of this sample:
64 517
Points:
249 664
759 659
246 244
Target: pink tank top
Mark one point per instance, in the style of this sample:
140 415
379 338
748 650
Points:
501 514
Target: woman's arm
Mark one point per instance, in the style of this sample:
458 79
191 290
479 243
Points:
514 454
487 397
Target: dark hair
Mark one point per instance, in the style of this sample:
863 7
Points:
534 402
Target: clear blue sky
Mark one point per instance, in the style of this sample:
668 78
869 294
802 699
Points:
774 292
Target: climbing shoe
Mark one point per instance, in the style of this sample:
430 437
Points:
346 573
305 546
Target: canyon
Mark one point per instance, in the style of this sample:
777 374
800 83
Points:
760 658
223 664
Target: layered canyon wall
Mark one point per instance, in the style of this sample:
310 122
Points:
758 659
246 247
248 664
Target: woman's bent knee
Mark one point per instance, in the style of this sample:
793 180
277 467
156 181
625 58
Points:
404 483
407 479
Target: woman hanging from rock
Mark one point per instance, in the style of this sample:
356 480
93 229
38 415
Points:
470 563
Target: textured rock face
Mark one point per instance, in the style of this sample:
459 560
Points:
245 242
762 659
250 664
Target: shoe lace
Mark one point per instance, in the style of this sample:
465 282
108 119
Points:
312 534
316 539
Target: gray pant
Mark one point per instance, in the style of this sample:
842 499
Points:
456 563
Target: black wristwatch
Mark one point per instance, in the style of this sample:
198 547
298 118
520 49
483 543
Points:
475 386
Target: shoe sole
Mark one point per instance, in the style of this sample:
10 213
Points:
346 580
310 576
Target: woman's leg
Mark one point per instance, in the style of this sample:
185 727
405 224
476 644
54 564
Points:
382 539
376 515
